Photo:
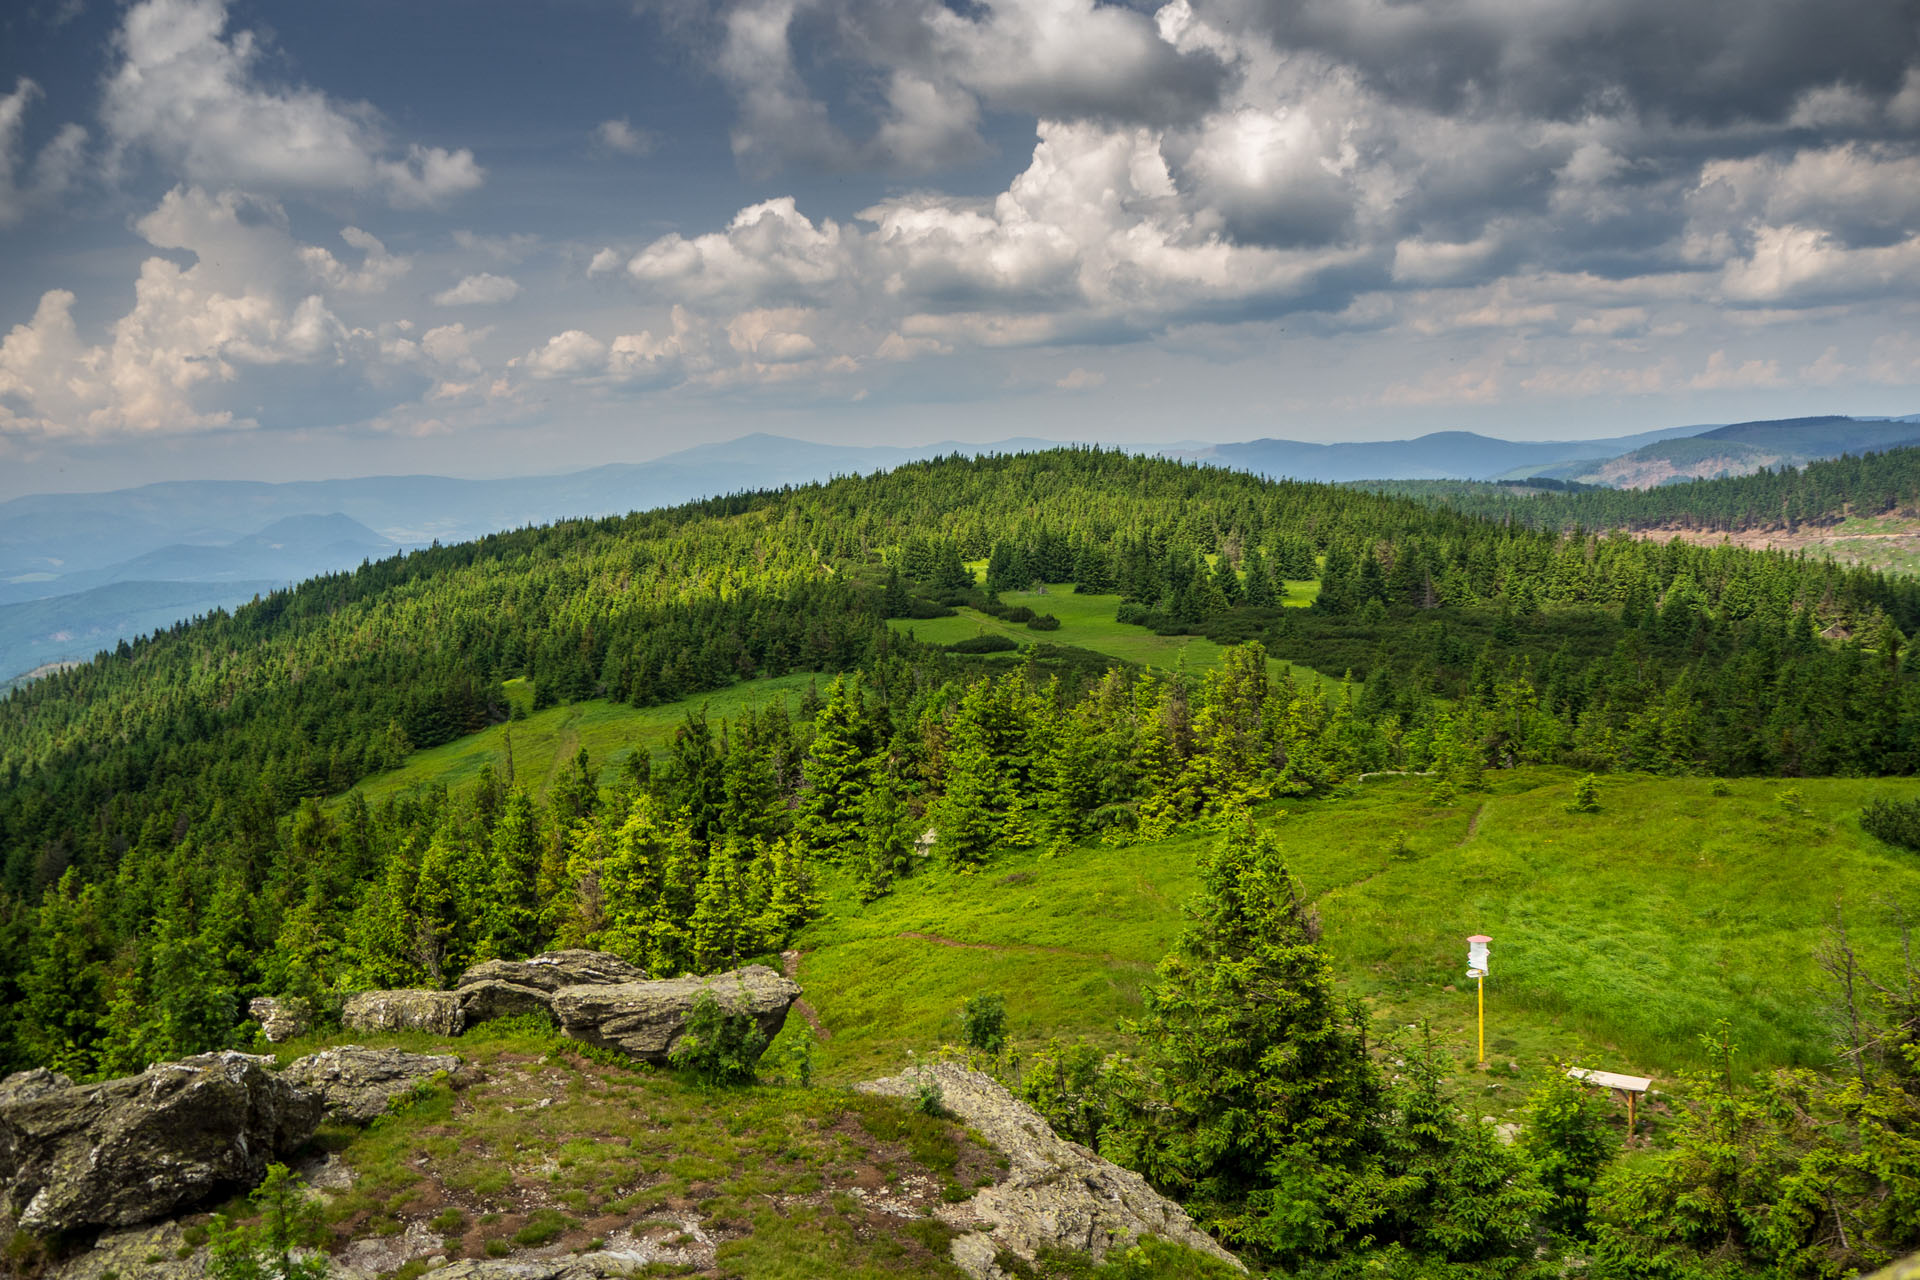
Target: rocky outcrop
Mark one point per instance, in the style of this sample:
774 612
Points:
357 1083
504 988
435 1012
142 1147
1057 1194
646 1019
281 1018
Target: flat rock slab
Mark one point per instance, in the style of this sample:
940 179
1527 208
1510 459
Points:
506 988
139 1148
552 970
1057 1194
357 1083
435 1012
645 1020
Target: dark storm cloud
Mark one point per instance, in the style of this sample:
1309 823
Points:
1709 62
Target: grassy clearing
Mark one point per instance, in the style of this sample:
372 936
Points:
1618 936
546 741
552 1149
1087 622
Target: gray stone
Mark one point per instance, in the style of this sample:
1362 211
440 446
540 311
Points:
646 1019
435 1012
1056 1194
142 1147
152 1253
585 1266
356 1083
281 1019
552 970
507 988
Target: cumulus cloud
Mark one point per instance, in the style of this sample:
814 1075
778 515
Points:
253 297
23 187
620 135
190 95
479 290
571 353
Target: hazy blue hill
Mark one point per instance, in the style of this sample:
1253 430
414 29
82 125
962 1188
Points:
36 632
1443 455
1743 448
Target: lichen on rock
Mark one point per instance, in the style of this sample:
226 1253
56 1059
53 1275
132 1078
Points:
1056 1195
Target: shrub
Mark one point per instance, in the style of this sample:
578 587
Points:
983 643
922 608
1133 613
718 1047
1043 622
289 1221
1018 613
983 1022
1895 821
1586 796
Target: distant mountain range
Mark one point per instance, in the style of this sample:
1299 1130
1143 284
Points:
79 572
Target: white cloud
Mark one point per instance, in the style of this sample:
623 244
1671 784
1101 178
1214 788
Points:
1801 265
479 290
51 173
192 98
1080 380
605 262
621 136
567 354
1722 374
253 297
429 176
377 269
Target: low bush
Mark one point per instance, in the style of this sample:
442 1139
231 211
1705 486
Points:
1043 622
718 1047
984 643
1895 821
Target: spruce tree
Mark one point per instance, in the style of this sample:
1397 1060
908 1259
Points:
719 928
513 905
836 775
1251 1070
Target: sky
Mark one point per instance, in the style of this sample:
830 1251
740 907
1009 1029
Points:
484 238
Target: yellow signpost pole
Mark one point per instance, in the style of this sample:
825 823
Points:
1477 970
1481 983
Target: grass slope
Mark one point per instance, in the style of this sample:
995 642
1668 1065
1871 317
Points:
545 742
1087 622
1618 936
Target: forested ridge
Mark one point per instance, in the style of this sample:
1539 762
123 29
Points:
167 853
1819 493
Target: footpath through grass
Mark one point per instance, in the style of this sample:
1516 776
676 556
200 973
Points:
1619 937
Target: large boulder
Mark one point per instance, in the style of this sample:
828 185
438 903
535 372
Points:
281 1018
504 988
1057 1194
357 1083
142 1147
435 1012
645 1020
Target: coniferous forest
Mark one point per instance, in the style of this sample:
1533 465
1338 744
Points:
181 831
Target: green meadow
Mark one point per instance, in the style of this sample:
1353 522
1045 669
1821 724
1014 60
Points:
1087 622
1619 937
545 742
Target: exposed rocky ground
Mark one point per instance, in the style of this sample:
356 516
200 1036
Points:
544 1154
1056 1194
